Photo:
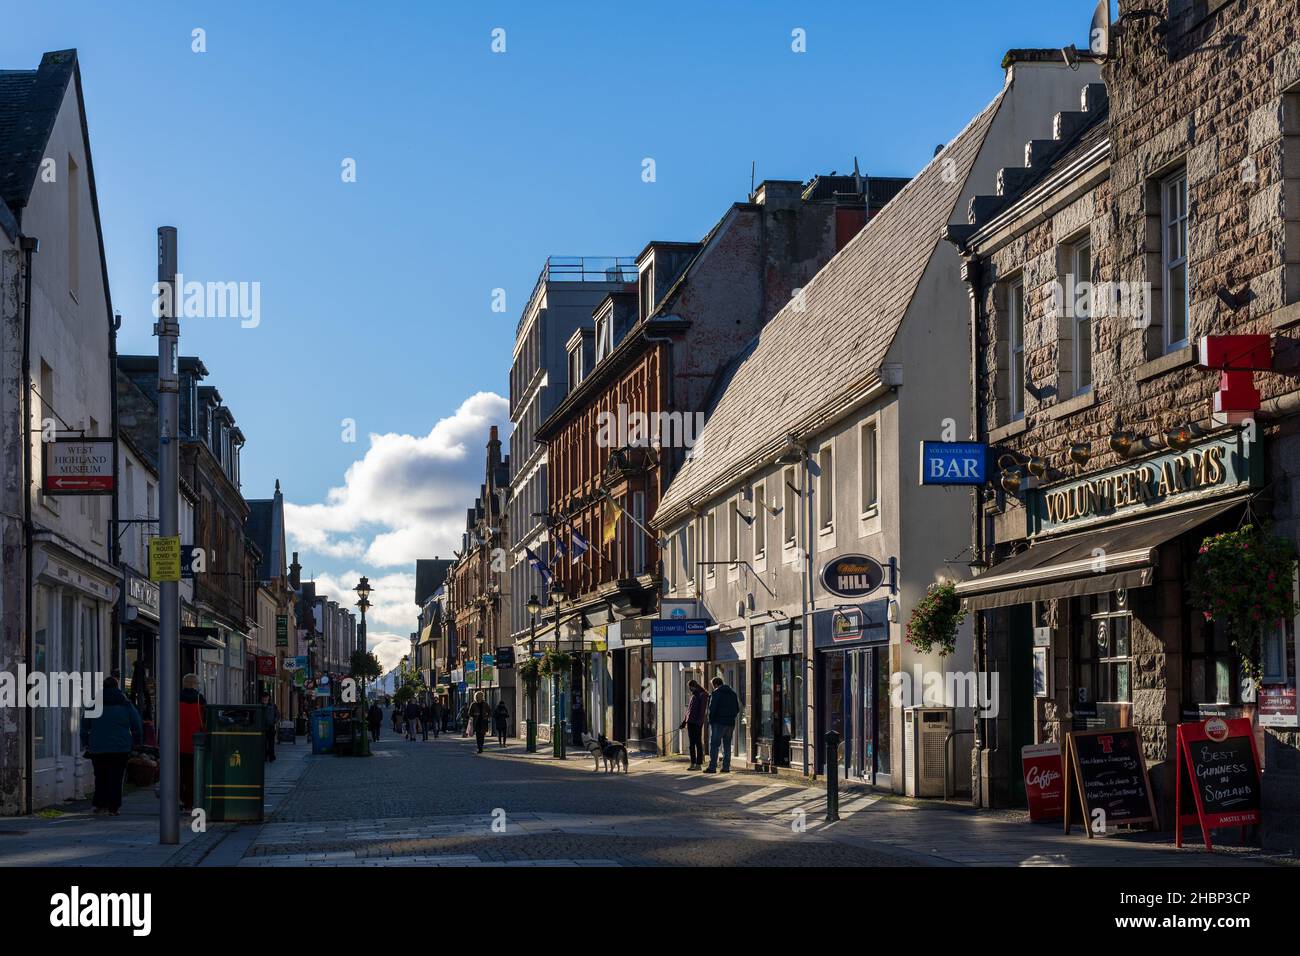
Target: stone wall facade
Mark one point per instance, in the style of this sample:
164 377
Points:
1216 95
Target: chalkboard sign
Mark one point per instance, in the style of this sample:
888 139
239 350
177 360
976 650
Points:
1218 764
1110 775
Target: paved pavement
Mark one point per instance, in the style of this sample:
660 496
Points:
438 803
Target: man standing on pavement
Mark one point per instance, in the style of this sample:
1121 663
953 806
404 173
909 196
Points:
412 715
724 708
272 724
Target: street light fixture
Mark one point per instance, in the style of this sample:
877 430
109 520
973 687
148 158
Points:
363 603
534 605
558 594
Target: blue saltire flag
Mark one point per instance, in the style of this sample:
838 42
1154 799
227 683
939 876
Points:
580 547
560 550
537 564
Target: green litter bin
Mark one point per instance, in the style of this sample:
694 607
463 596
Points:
234 763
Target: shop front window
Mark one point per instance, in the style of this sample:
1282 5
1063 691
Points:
1103 651
42 612
1211 665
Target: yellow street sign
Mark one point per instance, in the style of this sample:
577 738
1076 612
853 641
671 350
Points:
165 559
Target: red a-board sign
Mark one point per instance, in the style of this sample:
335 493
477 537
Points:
1044 781
1217 760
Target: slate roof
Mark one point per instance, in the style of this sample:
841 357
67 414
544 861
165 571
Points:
29 107
803 361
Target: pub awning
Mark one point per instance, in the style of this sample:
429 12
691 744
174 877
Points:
1089 562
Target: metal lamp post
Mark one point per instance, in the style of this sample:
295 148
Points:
363 602
558 594
534 605
464 649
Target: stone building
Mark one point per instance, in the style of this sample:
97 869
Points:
1115 461
478 599
639 378
58 585
273 601
809 456
566 292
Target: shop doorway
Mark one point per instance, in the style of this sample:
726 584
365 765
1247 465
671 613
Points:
1020 675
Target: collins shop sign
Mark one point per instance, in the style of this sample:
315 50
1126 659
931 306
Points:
852 575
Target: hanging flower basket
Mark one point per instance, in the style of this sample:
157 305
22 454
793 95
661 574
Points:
1242 580
530 673
935 619
554 663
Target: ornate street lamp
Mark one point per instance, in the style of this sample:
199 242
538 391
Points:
558 594
363 603
534 605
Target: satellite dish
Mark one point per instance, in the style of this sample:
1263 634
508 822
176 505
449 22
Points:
1099 30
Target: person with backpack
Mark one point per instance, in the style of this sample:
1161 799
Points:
724 708
109 739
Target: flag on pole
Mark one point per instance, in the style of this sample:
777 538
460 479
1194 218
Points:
560 550
612 513
538 566
579 546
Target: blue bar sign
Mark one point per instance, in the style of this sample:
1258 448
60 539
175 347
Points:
954 463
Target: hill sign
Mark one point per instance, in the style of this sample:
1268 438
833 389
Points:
852 575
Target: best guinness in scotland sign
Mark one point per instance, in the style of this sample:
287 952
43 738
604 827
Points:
852 575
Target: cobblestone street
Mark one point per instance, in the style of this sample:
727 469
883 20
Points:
439 803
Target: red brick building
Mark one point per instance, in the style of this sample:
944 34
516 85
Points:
640 381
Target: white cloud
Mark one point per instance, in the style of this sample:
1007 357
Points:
392 599
406 497
390 649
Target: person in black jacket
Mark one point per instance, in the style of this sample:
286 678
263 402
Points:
412 715
376 717
479 717
501 722
109 738
724 708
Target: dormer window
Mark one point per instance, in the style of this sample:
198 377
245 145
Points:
645 290
604 336
575 366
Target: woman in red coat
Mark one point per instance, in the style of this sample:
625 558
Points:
192 722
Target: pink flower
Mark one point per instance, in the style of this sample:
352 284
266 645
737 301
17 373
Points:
1208 615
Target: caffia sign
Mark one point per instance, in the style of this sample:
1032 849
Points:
852 575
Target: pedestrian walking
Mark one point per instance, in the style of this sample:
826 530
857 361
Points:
724 708
464 719
501 720
445 707
108 739
375 715
397 719
436 717
479 714
272 724
696 711
193 720
426 718
412 715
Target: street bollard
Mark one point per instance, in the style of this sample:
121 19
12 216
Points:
531 746
832 776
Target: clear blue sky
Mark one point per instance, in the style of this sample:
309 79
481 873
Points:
472 167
